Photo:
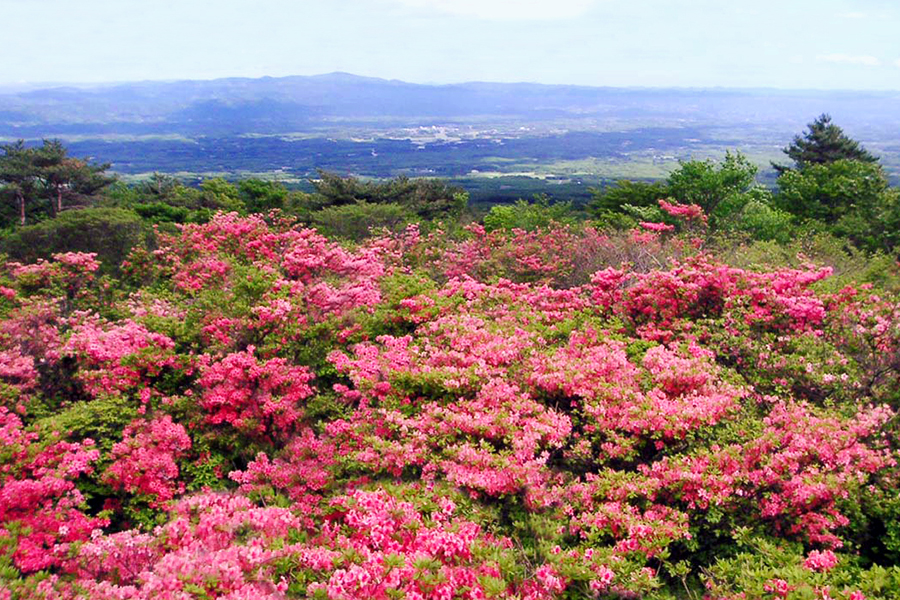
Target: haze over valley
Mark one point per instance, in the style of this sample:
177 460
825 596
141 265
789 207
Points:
553 138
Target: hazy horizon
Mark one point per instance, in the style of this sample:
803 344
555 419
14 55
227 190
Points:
110 83
799 45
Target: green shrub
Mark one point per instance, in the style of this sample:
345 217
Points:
609 219
262 196
810 244
110 232
612 198
426 198
764 222
218 194
354 221
761 562
651 214
160 212
101 420
529 215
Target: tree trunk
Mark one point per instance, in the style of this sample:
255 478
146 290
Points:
21 208
59 196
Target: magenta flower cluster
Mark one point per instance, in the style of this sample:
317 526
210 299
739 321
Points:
556 413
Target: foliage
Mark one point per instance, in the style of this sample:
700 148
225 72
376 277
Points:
822 143
850 265
219 194
725 191
708 184
357 221
761 220
260 196
852 197
612 199
828 192
165 199
624 191
44 180
704 183
160 212
837 187
109 232
559 412
427 198
529 216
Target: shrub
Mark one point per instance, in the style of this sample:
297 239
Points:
357 221
765 222
546 414
111 233
529 216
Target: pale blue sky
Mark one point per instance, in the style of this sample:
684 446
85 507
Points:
832 44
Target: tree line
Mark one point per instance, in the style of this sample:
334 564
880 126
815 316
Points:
832 185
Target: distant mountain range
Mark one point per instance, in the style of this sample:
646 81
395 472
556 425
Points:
500 140
330 102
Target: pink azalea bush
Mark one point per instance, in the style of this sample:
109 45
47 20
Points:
258 398
41 508
117 357
262 412
145 461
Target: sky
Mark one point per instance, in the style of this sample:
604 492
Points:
813 44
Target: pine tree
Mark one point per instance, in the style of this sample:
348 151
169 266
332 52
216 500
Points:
823 143
18 176
46 175
67 178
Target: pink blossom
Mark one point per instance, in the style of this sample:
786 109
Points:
821 561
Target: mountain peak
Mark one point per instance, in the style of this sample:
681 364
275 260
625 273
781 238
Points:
344 77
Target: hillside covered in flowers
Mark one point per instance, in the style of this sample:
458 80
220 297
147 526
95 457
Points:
254 411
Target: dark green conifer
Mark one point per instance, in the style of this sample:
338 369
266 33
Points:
823 143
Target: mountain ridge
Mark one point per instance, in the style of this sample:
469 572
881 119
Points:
309 103
389 127
344 76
